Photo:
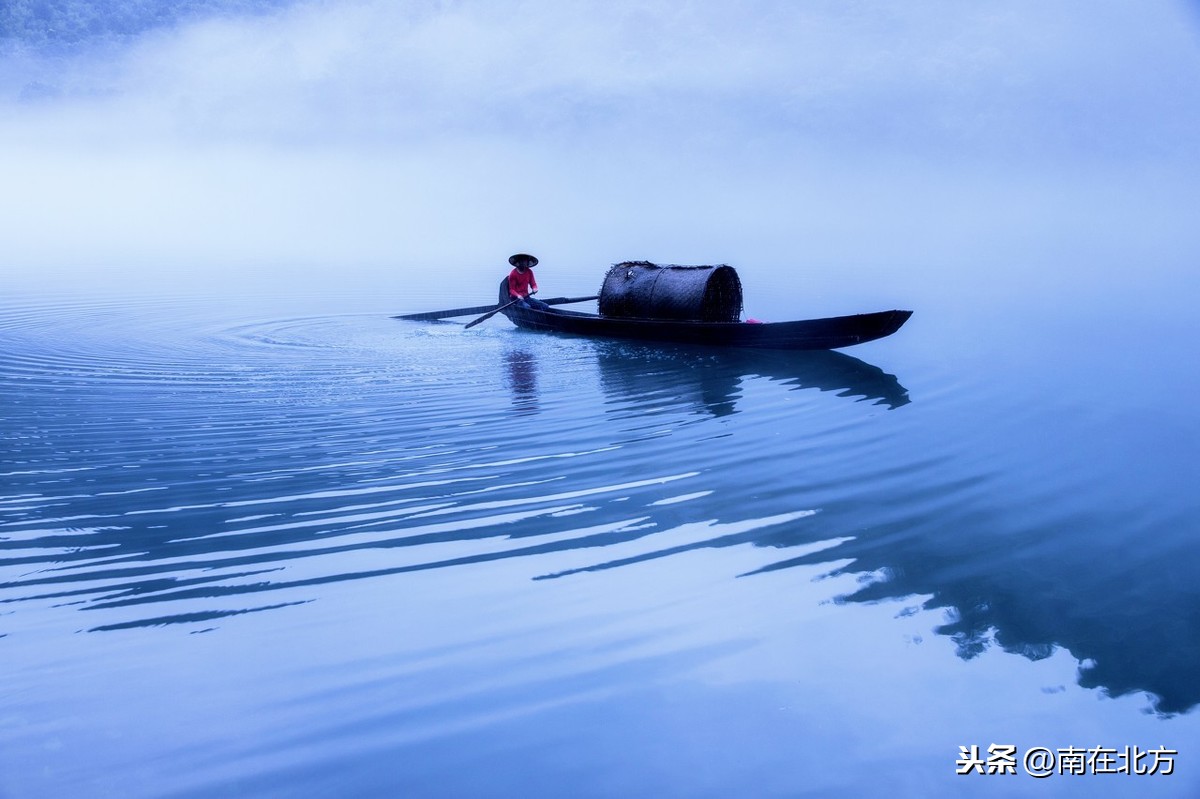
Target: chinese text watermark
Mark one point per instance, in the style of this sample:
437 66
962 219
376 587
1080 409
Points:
1042 761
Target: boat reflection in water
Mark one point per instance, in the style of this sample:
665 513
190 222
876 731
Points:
705 378
521 378
712 380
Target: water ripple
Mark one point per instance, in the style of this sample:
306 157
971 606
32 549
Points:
161 456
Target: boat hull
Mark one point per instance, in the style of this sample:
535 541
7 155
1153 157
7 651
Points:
810 334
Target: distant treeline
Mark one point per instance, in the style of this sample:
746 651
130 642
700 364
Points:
64 25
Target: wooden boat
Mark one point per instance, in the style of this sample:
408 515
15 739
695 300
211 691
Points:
809 334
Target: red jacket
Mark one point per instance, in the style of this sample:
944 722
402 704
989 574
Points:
521 284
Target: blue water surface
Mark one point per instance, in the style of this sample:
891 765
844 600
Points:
288 546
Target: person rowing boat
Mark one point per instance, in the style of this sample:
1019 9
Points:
522 284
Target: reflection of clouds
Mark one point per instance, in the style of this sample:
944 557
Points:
689 537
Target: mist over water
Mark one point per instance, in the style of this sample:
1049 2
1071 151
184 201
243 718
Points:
384 138
258 538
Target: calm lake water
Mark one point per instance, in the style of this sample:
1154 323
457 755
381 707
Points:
289 547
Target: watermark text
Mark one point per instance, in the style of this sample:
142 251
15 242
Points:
1042 761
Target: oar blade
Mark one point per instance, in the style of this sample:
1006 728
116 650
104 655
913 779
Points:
489 314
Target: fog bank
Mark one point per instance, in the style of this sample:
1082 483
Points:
819 143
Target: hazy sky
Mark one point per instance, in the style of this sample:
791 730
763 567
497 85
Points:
373 136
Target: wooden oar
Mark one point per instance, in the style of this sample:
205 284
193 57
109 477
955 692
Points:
491 313
430 316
